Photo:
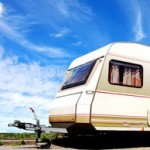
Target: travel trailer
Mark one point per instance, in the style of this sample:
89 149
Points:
105 90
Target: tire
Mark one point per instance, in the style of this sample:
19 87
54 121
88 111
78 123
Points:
48 144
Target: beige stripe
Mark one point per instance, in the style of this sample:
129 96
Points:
118 121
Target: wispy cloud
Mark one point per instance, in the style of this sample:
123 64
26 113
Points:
134 13
138 28
58 13
10 31
18 38
137 23
60 17
75 11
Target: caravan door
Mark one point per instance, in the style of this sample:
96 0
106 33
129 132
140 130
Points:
84 104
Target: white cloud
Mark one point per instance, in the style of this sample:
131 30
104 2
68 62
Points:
33 78
1 9
26 85
61 33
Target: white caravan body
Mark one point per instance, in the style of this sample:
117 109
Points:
105 90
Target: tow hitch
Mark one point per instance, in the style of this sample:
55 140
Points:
37 128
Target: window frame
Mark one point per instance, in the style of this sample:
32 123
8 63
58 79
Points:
125 64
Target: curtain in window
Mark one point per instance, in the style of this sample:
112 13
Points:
137 78
127 76
114 74
133 72
132 77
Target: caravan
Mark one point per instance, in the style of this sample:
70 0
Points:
105 90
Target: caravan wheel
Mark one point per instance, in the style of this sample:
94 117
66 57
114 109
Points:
47 145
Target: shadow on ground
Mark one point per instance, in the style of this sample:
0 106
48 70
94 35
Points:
105 141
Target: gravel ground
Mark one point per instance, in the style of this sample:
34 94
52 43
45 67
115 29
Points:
54 147
32 147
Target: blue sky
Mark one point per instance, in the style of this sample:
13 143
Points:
39 39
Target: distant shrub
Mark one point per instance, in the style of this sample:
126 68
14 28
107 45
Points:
26 136
1 143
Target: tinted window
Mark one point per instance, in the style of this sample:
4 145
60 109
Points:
78 75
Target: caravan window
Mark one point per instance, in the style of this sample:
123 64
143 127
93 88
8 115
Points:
78 75
126 74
